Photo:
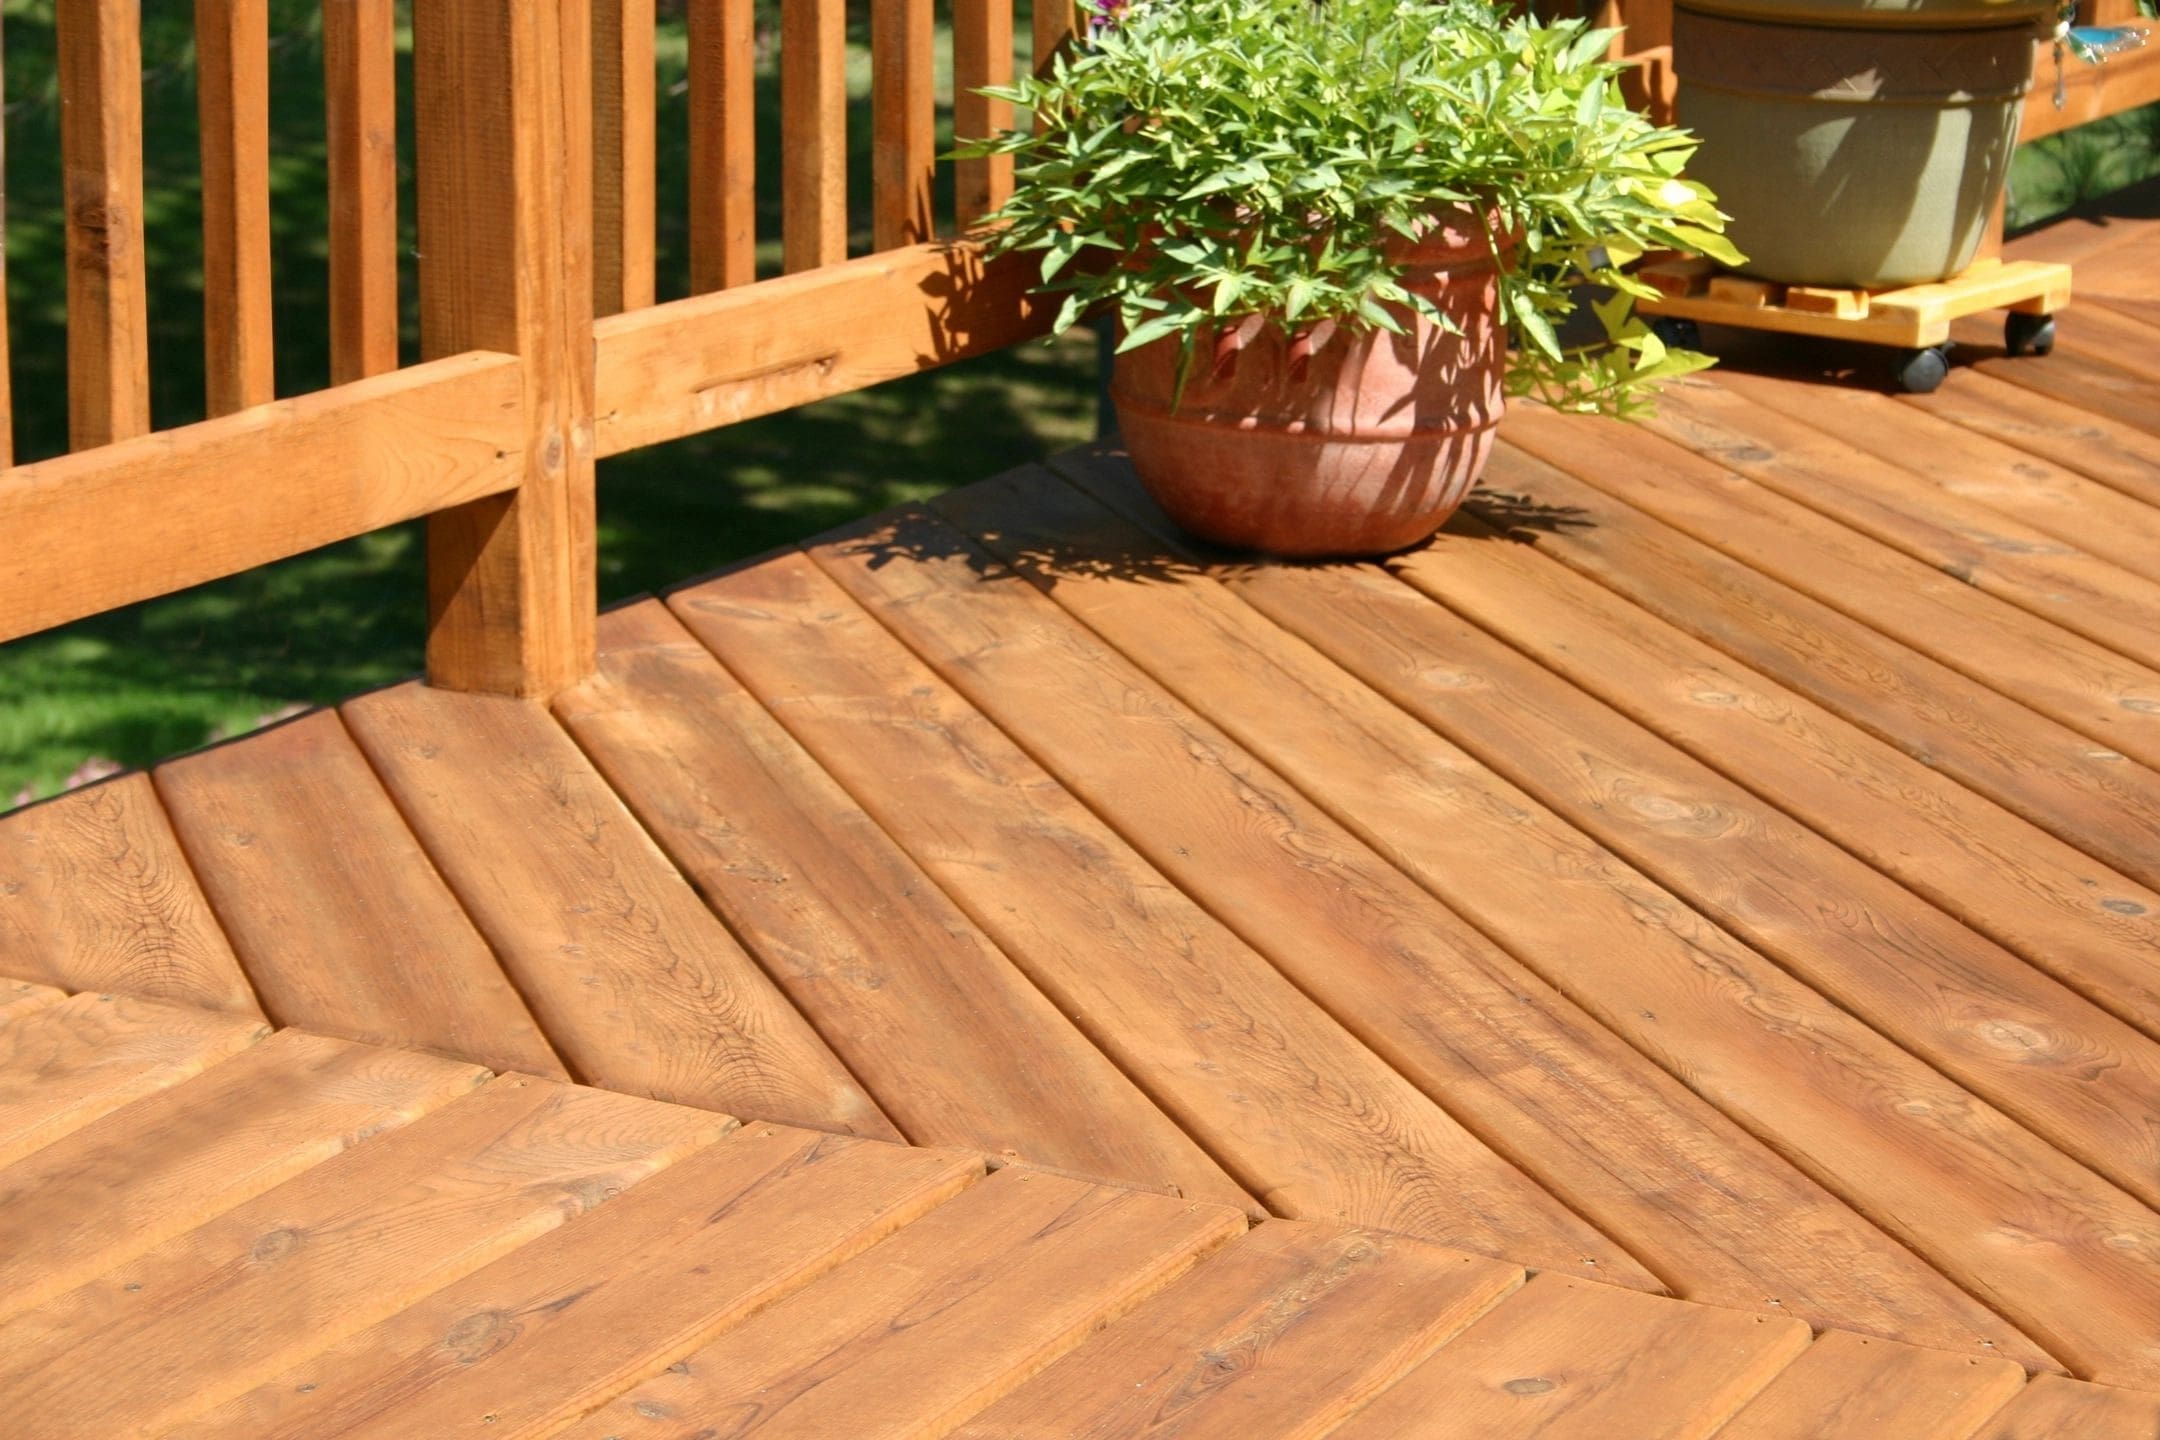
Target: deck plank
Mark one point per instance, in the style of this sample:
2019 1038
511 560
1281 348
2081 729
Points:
1284 1334
217 1310
2120 396
1856 1113
2094 446
319 884
926 1329
2084 793
2052 1408
2115 330
638 987
95 894
1292 1105
65 1064
174 1159
1848 1387
953 1042
551 1331
19 997
1561 1360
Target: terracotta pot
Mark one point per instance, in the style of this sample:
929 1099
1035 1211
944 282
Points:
1331 441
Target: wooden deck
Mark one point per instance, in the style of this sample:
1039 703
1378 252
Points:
1725 867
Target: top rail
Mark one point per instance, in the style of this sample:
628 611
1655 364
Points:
544 338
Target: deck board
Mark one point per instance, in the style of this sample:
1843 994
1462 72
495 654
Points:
1727 862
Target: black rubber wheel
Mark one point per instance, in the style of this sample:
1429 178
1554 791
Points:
2028 334
1921 372
1678 334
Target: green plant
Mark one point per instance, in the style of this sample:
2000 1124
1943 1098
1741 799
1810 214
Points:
1238 157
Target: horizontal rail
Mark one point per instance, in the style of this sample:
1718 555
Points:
711 360
123 522
2092 92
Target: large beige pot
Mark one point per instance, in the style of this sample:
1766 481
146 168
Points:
1865 157
1329 442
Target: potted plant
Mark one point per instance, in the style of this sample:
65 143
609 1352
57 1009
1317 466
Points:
1319 222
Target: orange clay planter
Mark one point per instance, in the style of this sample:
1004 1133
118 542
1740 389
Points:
1330 441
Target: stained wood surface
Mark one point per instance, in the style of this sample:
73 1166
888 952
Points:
211 1313
2052 1408
232 56
1227 1046
2095 446
982 49
1848 1387
359 40
1562 1359
175 1158
19 997
1010 1274
921 1006
813 130
65 1064
1513 871
342 923
640 988
1286 1333
95 894
903 122
99 64
723 143
543 1335
625 150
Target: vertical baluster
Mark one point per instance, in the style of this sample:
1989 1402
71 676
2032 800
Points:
903 107
232 49
503 106
723 149
982 55
100 53
360 96
1053 24
623 155
813 131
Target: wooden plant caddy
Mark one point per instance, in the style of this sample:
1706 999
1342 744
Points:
1913 320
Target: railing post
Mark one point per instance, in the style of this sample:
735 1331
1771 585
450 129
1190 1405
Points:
503 97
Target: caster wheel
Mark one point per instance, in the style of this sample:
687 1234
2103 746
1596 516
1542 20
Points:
1921 372
1678 334
2028 334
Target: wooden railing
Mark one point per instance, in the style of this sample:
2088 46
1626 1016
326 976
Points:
542 347
534 155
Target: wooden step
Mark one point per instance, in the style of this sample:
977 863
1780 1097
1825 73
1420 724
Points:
219 1309
954 1042
1849 1387
640 988
1285 1333
95 894
552 1330
2052 1408
929 1327
65 1064
316 879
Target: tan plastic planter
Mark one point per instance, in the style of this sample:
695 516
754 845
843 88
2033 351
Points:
1863 157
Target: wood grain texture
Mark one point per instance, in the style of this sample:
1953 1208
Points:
2052 1408
172 1160
1999 518
557 1327
232 57
942 1319
63 1065
344 462
1288 1102
1284 1333
625 151
2123 332
359 39
635 983
903 122
95 894
1848 1387
108 335
7 383
955 1043
2110 392
982 50
503 105
1563 1360
2094 931
217 1310
342 922
711 360
19 997
723 144
2088 795
813 130
2114 454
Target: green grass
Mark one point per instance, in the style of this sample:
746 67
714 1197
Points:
139 684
